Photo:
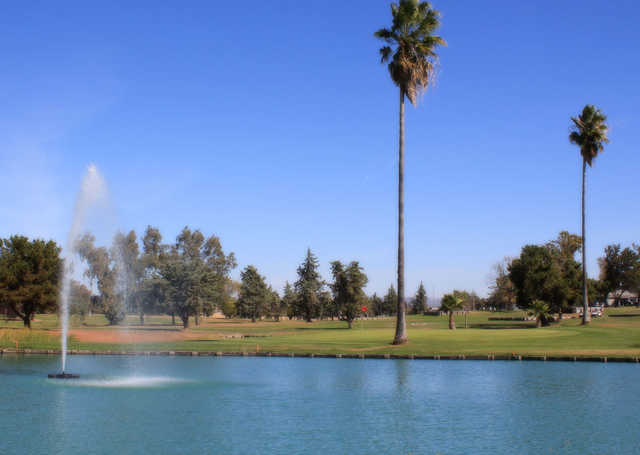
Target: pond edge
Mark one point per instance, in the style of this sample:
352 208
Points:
518 357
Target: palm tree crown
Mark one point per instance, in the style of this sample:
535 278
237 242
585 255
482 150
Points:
413 62
540 311
451 303
589 132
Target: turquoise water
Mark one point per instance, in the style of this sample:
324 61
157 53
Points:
193 405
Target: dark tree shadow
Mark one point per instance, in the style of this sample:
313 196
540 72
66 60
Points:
489 326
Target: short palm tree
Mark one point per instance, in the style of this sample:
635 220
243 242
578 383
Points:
412 61
540 311
589 132
449 304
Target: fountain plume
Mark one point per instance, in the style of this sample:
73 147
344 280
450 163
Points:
93 191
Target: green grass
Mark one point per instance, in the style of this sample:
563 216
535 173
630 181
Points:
615 335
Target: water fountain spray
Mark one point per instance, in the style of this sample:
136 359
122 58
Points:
93 191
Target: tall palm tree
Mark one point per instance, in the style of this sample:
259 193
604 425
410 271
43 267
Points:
589 132
412 61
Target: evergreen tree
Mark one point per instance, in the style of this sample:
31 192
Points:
196 272
420 300
253 294
390 303
29 273
274 304
308 287
348 290
376 305
288 301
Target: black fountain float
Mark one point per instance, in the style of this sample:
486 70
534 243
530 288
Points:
63 375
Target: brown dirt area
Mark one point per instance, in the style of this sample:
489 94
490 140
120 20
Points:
116 336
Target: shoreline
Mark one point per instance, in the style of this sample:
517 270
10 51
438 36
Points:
490 357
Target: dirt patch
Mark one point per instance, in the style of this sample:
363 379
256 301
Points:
117 336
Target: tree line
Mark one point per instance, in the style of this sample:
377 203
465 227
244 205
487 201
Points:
547 279
188 279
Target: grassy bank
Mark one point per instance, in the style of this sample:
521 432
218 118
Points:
615 335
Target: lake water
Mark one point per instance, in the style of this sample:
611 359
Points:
231 405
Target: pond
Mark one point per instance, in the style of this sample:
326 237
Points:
236 405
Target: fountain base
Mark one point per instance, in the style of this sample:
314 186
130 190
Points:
63 375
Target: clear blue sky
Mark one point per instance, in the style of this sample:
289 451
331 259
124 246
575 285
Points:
273 126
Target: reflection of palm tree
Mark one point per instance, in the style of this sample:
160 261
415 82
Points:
411 66
589 132
402 370
451 303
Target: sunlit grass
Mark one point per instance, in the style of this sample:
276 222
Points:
617 334
28 339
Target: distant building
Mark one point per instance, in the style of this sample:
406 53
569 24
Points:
622 298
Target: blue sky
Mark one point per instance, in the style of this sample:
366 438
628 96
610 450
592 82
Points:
273 126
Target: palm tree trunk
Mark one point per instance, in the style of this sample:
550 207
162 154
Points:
401 323
586 316
452 323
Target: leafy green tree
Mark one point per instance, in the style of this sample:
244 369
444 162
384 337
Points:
348 290
469 299
232 290
229 307
102 273
410 51
543 273
253 294
540 311
589 132
126 255
152 289
196 271
184 288
308 287
80 300
29 273
420 300
503 294
566 244
390 302
449 304
619 270
563 250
